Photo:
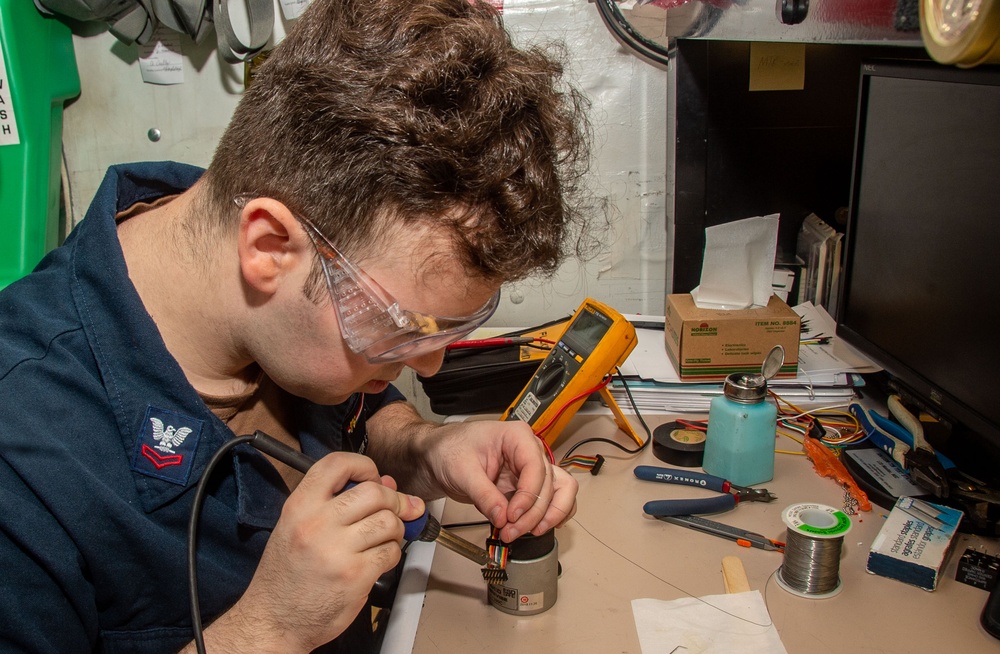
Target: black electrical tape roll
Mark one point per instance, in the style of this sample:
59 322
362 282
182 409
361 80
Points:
679 445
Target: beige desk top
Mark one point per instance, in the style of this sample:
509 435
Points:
611 554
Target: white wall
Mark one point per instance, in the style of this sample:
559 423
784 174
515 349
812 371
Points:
110 122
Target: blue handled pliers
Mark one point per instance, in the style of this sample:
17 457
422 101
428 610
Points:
906 444
731 493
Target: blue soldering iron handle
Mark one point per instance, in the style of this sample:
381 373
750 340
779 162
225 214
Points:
413 529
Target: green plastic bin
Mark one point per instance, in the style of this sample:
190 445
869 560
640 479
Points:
38 74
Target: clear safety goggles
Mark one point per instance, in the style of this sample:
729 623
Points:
371 320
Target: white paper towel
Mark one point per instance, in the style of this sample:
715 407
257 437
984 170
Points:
738 266
715 624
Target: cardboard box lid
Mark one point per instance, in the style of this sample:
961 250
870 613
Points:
688 310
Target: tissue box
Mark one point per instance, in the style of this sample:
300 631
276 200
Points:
914 543
710 344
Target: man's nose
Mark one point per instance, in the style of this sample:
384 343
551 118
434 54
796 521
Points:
427 364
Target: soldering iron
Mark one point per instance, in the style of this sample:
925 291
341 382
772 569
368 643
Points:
426 528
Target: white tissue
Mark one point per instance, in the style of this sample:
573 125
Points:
716 624
738 266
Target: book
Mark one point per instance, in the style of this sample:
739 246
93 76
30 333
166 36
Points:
832 293
818 248
914 543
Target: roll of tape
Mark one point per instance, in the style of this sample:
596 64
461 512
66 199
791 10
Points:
678 445
964 34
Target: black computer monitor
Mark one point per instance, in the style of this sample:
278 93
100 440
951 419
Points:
920 292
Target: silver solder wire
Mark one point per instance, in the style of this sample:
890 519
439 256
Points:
811 565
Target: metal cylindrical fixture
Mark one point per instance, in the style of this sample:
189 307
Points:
532 576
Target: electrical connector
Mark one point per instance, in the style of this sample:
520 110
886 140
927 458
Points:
494 576
978 569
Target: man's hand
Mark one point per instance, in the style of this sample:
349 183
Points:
320 564
500 467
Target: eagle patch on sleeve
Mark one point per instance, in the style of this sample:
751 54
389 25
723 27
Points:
166 445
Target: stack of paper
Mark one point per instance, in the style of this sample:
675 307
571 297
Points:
828 373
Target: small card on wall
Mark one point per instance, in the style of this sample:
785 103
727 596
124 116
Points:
161 60
777 66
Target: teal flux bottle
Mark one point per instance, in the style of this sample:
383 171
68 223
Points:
739 445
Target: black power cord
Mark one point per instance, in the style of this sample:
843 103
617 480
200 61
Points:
618 25
608 441
192 539
418 529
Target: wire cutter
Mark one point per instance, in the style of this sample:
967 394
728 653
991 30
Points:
731 493
904 441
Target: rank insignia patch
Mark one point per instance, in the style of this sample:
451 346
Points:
166 446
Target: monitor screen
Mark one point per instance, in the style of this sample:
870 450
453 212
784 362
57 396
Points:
921 286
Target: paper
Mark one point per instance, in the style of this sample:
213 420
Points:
713 624
161 60
8 122
835 356
738 268
777 66
401 630
292 9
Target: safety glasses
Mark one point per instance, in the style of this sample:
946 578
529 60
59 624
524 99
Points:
371 320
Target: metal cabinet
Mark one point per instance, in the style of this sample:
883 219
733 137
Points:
736 152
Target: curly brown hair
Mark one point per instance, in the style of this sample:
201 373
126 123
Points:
376 113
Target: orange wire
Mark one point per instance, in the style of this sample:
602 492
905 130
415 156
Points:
692 425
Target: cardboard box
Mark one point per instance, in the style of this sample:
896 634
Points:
914 542
710 344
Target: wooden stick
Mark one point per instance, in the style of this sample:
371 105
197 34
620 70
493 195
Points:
734 575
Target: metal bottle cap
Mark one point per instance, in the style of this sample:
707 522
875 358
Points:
745 388
749 388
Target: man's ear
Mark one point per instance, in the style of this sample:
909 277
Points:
271 244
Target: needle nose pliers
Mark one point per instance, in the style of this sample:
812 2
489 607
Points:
730 497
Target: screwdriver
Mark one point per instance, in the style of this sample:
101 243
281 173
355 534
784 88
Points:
426 528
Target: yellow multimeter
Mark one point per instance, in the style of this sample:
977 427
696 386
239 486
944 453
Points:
597 340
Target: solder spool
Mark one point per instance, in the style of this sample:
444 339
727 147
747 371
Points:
813 545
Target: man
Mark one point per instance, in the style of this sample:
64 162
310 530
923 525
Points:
393 163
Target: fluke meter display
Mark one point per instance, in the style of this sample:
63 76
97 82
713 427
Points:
597 340
586 331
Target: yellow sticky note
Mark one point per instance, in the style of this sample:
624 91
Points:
777 66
